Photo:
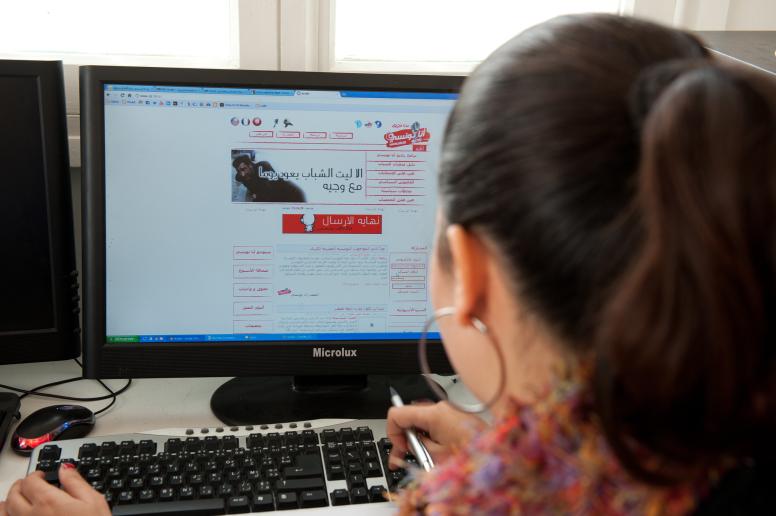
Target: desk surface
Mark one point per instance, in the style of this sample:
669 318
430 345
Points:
148 404
757 48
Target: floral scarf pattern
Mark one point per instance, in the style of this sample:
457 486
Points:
546 458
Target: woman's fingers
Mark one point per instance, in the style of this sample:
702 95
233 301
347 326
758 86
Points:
76 486
16 504
39 492
409 416
437 451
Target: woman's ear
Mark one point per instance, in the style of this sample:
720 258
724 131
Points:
469 266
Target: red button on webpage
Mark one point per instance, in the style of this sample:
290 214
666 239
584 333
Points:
297 223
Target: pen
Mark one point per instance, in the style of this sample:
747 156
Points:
416 446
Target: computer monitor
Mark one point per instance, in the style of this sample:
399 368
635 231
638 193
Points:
39 300
261 224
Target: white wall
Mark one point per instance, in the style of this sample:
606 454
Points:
722 14
752 15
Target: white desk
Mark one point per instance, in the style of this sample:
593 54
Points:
148 404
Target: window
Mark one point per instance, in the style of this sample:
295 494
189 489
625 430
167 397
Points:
436 35
142 32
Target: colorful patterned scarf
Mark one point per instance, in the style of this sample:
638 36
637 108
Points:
546 458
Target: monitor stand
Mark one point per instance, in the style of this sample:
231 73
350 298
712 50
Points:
281 399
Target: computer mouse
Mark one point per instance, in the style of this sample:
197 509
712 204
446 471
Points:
52 423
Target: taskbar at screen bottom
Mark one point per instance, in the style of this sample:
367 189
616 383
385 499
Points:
265 337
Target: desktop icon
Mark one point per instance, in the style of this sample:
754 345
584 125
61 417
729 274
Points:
245 121
235 121
257 121
378 124
359 123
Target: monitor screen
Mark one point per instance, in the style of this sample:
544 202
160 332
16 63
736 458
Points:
39 302
259 224
250 214
28 300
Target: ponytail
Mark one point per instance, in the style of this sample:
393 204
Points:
684 349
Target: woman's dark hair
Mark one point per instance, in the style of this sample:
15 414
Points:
628 180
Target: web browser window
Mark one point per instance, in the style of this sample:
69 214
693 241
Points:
237 214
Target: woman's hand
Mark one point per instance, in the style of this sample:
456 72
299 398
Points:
34 496
440 427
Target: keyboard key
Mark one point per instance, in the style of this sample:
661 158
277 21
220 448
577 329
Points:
263 487
166 494
287 501
238 504
126 497
364 433
87 450
347 434
146 495
186 493
309 437
377 494
128 448
94 473
255 441
188 507
329 436
359 495
336 472
147 446
50 452
340 497
299 484
356 480
206 492
46 465
315 498
373 469
225 490
303 471
173 445
193 444
263 502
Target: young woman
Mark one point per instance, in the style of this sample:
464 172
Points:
606 242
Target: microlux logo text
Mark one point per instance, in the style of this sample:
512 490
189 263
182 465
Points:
334 353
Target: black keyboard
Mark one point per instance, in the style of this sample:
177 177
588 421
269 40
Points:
233 470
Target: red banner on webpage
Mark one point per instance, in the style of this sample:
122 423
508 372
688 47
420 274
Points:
332 224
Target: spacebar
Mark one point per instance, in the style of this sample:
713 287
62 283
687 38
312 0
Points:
189 507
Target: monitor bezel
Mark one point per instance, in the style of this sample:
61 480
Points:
214 359
62 340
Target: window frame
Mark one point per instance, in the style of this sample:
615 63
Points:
299 35
257 50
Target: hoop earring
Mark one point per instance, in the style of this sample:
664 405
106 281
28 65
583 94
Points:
426 370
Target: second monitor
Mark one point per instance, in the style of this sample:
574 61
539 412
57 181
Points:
258 224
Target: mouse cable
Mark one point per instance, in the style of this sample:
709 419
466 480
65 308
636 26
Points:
34 391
